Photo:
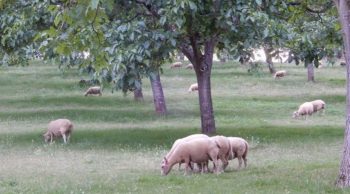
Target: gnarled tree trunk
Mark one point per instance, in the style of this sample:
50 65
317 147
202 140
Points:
202 65
138 95
269 62
343 179
310 72
158 95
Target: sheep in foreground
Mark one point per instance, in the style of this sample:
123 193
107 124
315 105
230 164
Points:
239 150
198 150
193 87
319 105
186 139
224 149
280 74
305 109
176 65
93 91
59 128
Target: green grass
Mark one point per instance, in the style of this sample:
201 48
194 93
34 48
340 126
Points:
118 144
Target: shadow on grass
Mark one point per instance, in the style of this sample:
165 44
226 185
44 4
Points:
152 138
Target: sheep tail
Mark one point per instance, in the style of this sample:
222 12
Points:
246 149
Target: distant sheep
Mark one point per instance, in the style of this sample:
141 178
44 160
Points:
193 87
319 105
197 151
305 109
93 91
59 128
189 66
176 65
239 150
280 74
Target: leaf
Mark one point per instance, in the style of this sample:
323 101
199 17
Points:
94 4
259 2
162 20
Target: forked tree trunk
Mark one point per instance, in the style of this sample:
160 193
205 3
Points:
343 179
138 95
310 72
202 65
269 62
158 95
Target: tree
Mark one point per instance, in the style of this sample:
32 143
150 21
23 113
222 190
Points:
343 8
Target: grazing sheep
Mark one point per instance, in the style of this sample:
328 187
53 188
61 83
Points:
280 74
193 87
319 105
198 150
93 90
176 65
239 150
225 149
305 109
189 66
59 128
185 139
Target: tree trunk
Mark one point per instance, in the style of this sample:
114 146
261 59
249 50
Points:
310 72
343 179
138 95
158 95
269 62
202 65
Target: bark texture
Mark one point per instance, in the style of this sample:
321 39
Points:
343 179
310 72
158 95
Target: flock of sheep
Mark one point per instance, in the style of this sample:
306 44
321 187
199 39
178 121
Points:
196 149
199 149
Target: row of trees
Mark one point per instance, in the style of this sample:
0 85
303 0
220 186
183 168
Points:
132 39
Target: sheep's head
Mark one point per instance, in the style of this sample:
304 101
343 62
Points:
295 114
165 167
47 137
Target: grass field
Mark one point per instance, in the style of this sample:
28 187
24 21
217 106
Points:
118 144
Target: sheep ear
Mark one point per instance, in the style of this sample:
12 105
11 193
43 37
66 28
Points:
166 161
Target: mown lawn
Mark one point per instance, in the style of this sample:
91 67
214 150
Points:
118 144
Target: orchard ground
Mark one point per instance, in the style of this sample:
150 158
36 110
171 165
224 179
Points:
117 144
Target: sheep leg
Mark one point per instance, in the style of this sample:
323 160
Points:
245 162
188 166
68 137
239 162
64 138
51 138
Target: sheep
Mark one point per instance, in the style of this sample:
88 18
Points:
176 65
193 87
59 128
239 150
225 148
186 139
93 90
319 105
198 150
189 66
305 109
280 74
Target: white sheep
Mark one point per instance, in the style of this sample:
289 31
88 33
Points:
176 65
198 150
280 74
193 87
189 66
239 150
186 139
59 128
93 91
224 149
319 105
305 109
